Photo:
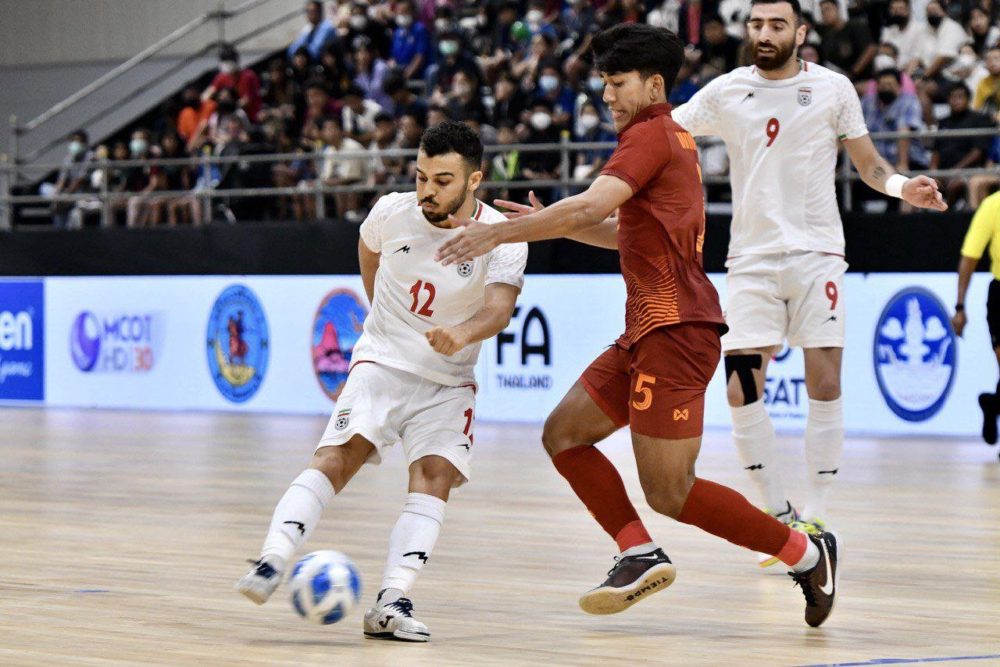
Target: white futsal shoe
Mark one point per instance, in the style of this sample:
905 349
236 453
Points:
260 582
395 621
787 516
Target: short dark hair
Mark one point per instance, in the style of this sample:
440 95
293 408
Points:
453 137
796 7
80 134
330 118
640 47
383 117
961 85
889 71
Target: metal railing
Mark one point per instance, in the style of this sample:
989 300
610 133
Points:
19 131
317 191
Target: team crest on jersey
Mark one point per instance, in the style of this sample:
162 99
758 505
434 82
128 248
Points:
343 419
805 96
465 269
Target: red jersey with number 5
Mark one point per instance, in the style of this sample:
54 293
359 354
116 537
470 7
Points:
661 229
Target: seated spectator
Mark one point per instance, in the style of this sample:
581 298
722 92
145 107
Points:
117 182
454 58
358 115
506 165
336 70
74 177
172 178
403 101
141 181
338 171
940 41
245 82
984 36
720 51
987 99
213 130
967 68
509 100
411 44
847 46
550 88
465 100
536 20
589 128
359 24
315 35
303 67
384 169
960 152
889 109
542 49
194 111
281 96
542 165
411 129
370 72
319 105
904 33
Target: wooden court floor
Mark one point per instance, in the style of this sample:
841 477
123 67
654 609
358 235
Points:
122 534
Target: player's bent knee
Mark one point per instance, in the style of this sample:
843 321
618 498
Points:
331 462
434 475
669 493
741 384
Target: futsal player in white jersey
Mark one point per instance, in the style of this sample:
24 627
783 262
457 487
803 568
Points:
783 121
412 373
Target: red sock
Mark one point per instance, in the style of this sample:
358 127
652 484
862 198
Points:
600 487
719 510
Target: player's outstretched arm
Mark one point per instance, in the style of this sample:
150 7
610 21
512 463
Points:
561 220
491 319
879 175
369 262
603 235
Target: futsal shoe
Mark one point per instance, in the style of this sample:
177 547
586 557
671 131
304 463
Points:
633 578
260 582
988 404
819 585
787 516
395 621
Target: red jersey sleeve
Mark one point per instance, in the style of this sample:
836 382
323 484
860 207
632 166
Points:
642 153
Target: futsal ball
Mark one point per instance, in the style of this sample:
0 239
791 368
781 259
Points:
325 587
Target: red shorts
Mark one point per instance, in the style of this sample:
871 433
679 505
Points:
658 386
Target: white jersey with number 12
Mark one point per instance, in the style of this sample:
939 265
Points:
783 138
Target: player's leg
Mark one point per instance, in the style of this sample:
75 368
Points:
595 407
817 324
437 439
358 423
757 317
824 429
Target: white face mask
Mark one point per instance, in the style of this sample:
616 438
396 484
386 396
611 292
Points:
541 120
441 25
534 16
358 22
227 67
589 121
884 61
548 82
595 83
966 60
404 21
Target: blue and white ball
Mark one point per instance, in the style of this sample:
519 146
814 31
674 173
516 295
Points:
325 587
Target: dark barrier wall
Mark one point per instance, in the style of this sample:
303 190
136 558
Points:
874 243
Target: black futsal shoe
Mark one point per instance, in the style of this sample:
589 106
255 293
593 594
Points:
819 585
633 578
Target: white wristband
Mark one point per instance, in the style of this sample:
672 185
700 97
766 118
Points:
894 186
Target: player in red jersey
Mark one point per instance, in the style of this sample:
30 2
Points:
654 377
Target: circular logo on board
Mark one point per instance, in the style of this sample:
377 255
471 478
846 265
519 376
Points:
915 354
238 343
336 328
85 341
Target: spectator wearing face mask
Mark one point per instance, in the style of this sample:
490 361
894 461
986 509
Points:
960 152
245 82
360 24
141 180
536 21
74 177
541 50
541 165
889 109
453 58
588 127
967 68
987 99
315 34
904 33
551 89
940 41
410 42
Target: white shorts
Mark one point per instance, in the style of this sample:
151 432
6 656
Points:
385 405
794 296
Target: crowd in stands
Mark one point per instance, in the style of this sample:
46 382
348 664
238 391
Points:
373 74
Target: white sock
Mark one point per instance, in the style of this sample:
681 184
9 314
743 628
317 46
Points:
824 443
753 434
809 558
296 516
638 549
412 540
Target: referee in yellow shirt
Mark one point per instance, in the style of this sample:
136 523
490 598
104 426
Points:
984 230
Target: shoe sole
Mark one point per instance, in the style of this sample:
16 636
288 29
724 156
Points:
609 600
254 596
769 561
398 636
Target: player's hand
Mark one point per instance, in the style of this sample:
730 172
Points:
922 191
958 322
445 341
517 210
474 240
